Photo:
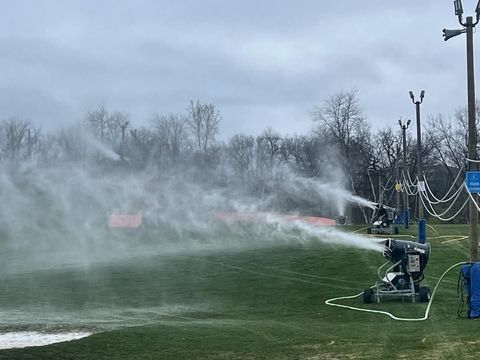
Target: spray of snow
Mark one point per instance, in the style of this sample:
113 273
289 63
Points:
98 146
328 235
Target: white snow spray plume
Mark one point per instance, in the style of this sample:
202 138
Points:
309 233
56 216
329 191
98 146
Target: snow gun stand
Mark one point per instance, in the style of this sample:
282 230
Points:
407 260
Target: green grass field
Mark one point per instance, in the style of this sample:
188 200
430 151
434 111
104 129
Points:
263 303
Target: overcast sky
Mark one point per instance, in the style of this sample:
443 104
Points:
263 63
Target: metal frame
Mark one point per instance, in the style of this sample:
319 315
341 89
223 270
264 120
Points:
386 288
383 230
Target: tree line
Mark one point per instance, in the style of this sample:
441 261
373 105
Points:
341 146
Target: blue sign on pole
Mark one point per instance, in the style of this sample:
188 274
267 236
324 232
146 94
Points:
473 181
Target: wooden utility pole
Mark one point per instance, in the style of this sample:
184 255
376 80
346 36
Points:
472 137
468 26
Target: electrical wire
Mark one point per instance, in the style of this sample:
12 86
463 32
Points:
427 310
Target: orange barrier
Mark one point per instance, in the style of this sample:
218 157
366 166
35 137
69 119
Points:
132 221
312 220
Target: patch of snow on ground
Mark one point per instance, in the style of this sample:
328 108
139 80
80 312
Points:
20 339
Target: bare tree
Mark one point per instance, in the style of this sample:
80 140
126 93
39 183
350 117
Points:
449 140
140 147
49 150
117 125
96 121
203 121
307 155
242 152
14 138
34 141
342 118
269 145
110 128
388 150
171 135
69 146
461 116
342 121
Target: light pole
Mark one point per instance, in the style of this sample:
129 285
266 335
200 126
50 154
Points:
406 215
468 26
419 150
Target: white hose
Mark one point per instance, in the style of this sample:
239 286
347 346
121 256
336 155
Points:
441 218
437 201
434 213
473 199
427 310
410 179
407 185
448 192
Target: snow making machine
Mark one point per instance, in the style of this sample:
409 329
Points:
407 262
384 224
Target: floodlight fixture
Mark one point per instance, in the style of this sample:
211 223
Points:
457 4
403 124
422 95
448 34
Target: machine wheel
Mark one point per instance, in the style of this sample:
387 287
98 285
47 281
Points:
368 296
424 293
395 230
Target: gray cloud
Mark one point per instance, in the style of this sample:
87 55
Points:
263 63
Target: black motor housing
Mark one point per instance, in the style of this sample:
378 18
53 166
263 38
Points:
413 256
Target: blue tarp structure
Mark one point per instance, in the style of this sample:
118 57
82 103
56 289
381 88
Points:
471 285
